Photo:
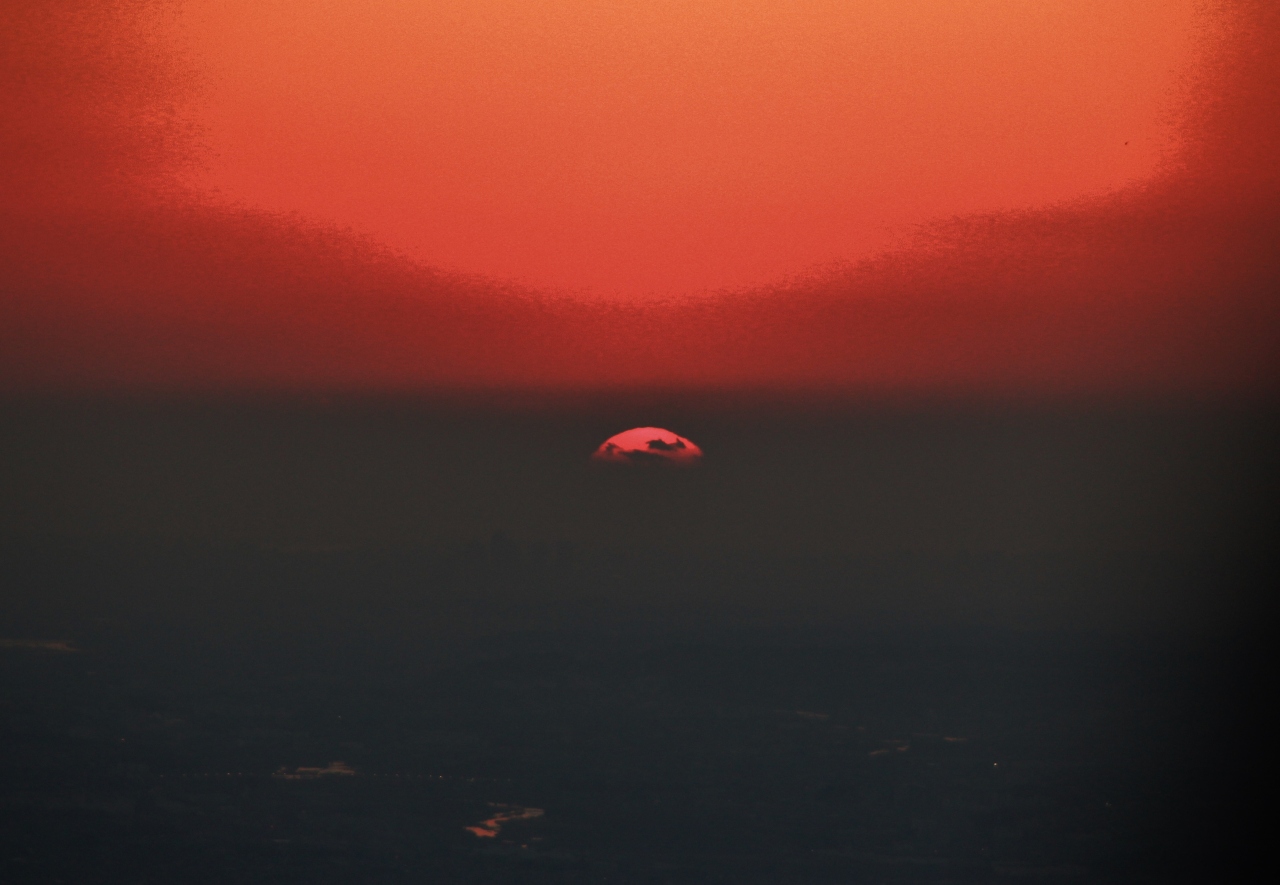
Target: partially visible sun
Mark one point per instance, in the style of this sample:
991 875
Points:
648 445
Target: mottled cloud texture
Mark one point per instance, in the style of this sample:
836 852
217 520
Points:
115 276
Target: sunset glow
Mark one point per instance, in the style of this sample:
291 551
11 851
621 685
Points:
671 147
981 198
743 441
643 446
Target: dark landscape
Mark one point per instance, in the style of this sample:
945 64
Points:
926 645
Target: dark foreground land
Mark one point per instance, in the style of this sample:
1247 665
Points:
140 751
265 644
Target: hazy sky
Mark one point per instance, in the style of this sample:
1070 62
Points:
669 146
337 195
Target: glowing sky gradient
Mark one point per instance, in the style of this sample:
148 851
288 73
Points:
672 146
1081 198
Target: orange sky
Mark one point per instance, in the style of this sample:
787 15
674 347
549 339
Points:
234 195
673 146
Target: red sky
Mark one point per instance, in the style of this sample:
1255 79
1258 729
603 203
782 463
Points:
402 194
669 147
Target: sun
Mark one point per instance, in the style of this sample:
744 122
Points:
648 446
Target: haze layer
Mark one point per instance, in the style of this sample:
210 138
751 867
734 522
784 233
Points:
634 153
